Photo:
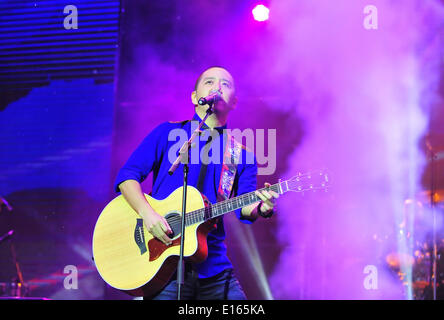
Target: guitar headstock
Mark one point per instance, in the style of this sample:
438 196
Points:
316 180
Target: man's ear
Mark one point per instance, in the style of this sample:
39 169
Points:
194 98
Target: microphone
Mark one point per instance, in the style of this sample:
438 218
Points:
6 235
210 99
4 202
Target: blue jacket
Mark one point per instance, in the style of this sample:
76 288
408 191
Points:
153 155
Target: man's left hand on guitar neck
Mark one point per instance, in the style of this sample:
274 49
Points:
264 208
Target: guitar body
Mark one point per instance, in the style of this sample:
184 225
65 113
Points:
130 259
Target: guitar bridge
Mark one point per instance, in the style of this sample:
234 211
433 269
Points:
139 236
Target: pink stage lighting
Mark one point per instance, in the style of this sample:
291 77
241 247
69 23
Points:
260 12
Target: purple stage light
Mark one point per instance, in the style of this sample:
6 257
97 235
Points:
261 12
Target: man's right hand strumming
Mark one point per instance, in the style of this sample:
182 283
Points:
157 225
154 222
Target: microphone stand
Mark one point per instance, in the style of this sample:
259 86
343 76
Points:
432 203
19 282
183 158
6 235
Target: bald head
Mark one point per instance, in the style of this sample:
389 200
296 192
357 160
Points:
215 79
201 76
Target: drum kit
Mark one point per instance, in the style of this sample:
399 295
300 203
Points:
420 265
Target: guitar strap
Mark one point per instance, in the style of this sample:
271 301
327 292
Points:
233 150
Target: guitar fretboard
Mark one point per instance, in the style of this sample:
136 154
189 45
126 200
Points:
229 205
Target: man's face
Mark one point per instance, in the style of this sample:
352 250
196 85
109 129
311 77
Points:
216 79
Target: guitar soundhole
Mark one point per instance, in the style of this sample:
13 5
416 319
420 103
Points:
174 220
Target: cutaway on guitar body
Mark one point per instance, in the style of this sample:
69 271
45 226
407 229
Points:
130 259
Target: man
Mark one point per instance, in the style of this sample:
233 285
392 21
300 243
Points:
212 278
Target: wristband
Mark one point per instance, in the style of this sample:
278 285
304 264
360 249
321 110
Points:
263 215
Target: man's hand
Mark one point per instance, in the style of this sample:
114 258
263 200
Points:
268 197
154 222
157 226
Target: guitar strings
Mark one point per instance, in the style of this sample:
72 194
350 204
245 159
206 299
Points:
197 214
200 213
192 215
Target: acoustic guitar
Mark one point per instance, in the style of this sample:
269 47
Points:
130 259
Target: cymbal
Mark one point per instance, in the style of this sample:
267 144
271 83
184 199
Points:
395 259
438 196
433 142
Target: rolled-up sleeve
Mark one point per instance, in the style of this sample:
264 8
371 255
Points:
143 159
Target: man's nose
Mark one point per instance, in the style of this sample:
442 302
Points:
217 86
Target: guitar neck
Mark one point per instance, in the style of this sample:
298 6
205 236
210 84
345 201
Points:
310 181
229 205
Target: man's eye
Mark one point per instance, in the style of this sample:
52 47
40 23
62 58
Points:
208 82
226 84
